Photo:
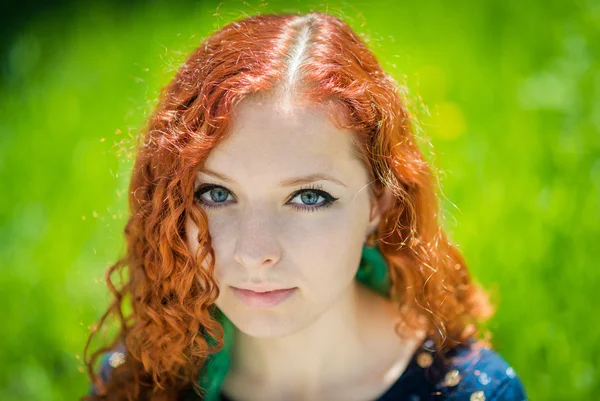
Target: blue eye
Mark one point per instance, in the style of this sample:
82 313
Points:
217 194
309 197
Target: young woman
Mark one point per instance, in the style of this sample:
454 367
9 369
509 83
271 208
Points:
284 240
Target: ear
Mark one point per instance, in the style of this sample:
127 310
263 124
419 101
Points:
379 205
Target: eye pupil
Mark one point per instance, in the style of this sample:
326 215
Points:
309 197
218 195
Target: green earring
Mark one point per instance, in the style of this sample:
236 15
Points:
373 271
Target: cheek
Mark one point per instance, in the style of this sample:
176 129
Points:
223 233
217 242
329 248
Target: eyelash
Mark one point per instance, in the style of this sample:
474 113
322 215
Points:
316 188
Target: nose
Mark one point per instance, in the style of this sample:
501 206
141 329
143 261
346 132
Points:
257 246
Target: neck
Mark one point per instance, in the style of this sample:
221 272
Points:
351 338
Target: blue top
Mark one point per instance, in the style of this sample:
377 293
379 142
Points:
472 373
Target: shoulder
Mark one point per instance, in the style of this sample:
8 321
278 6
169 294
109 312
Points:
475 372
108 362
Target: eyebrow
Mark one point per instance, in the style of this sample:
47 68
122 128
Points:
290 182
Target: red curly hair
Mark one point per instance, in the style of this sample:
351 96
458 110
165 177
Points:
319 59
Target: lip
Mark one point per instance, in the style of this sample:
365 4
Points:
263 299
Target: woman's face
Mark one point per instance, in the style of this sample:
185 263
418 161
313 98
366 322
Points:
289 207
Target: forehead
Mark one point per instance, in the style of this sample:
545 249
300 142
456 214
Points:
269 137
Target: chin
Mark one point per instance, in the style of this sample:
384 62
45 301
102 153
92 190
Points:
261 323
266 323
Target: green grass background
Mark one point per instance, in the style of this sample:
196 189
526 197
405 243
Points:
506 92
